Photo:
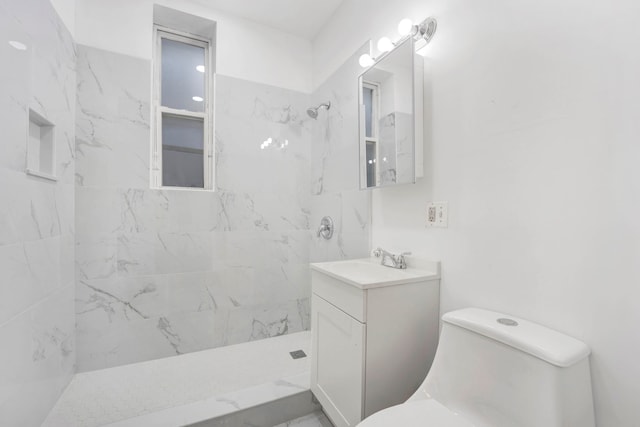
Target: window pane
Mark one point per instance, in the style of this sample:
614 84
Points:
368 110
183 84
182 151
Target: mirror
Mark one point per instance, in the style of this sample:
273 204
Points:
390 119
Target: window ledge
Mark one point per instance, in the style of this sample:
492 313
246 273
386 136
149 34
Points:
198 190
42 175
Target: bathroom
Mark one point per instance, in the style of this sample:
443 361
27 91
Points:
530 123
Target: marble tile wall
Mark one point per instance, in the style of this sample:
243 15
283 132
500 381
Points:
335 176
37 354
165 272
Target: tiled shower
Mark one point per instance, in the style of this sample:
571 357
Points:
111 272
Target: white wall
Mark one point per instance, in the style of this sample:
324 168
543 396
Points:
532 126
245 49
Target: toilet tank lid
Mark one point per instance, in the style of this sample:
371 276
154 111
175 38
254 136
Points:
539 341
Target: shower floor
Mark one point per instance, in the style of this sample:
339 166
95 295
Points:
189 388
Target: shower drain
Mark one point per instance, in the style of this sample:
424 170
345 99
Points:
298 354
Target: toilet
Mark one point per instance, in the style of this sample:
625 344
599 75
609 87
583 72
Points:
495 370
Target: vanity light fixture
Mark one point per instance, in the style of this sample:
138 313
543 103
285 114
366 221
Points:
385 44
366 60
405 27
422 33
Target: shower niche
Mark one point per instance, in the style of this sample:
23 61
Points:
41 147
390 118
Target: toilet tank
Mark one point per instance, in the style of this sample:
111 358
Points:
496 370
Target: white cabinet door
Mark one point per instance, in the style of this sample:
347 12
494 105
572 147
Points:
338 363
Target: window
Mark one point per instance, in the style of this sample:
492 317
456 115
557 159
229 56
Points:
370 97
182 154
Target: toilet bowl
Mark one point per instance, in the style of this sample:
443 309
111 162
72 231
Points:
495 370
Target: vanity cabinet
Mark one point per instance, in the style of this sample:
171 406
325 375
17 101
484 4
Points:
374 332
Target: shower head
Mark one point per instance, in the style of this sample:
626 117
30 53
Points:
313 112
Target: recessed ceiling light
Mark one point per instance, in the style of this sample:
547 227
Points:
17 45
200 68
198 98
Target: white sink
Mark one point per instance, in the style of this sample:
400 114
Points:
367 273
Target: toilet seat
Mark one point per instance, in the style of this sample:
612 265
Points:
417 413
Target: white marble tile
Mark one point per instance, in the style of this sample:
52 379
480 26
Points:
247 286
96 256
36 215
249 114
327 204
250 323
113 136
167 210
263 211
335 151
250 240
254 170
29 271
356 216
67 259
350 213
111 152
260 249
96 211
51 77
29 210
14 99
137 298
113 86
39 360
164 253
102 345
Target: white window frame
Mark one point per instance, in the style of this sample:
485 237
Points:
375 119
158 109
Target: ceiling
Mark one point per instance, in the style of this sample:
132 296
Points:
303 18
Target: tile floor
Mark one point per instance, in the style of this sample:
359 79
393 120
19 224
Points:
317 419
184 388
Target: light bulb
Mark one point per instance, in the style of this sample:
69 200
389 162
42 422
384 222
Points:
200 68
198 98
366 60
405 26
384 44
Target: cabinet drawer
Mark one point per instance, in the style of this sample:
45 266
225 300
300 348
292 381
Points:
347 298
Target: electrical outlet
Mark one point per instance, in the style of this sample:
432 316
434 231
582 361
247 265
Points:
438 214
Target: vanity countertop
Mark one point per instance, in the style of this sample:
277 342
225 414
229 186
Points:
367 273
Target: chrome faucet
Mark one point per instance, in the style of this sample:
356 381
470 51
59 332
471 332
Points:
326 228
397 261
